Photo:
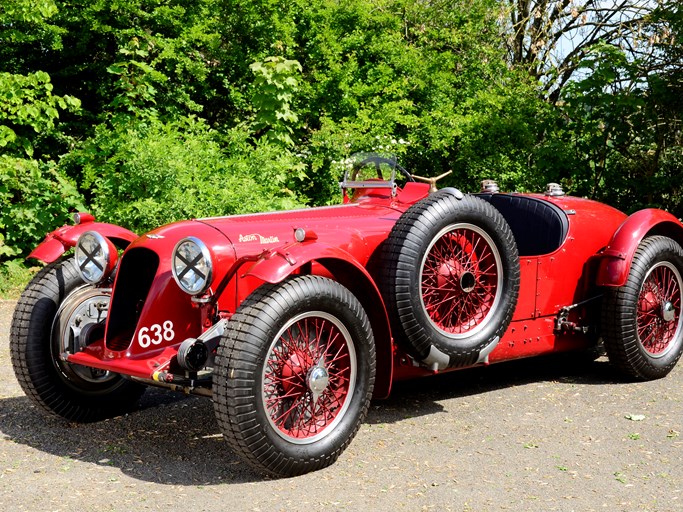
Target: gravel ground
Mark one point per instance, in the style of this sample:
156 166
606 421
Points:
537 435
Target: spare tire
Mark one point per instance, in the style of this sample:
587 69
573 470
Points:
450 279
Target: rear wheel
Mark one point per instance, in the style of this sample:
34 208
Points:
54 313
294 375
642 319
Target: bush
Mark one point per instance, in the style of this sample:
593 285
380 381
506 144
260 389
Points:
146 173
14 275
34 199
34 196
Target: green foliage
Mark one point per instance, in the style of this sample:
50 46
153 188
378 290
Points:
615 131
397 76
224 106
148 172
136 85
24 28
28 108
174 45
501 137
34 199
275 84
14 275
33 11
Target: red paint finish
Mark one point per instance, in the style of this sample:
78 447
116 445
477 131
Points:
144 368
344 243
617 257
350 233
311 349
166 318
62 239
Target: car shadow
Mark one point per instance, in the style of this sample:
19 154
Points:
170 439
174 439
420 397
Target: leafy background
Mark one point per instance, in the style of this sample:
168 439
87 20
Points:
144 112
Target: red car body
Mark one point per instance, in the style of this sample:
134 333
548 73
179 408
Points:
570 252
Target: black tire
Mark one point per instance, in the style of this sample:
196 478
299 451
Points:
266 379
72 392
642 320
450 239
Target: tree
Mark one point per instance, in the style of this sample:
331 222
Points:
550 38
624 114
27 28
666 71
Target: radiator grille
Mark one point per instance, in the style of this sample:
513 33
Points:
135 275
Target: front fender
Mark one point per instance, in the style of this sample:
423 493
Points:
616 259
62 239
278 264
274 266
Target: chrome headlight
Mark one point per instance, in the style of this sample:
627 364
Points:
95 257
192 265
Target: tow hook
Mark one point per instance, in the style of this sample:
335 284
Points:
562 323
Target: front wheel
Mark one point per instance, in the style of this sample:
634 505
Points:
56 311
643 324
294 375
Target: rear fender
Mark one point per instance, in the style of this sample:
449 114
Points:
616 259
62 239
280 263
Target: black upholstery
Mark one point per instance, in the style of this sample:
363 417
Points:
539 227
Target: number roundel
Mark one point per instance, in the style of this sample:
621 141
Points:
156 334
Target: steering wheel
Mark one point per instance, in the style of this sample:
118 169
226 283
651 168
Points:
378 161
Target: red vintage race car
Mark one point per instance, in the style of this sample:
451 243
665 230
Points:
292 321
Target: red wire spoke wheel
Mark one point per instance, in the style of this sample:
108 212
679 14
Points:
294 375
308 377
450 279
659 309
641 321
461 280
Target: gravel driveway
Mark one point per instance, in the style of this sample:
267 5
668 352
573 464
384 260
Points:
543 435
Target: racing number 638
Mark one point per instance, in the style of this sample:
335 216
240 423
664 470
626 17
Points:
155 334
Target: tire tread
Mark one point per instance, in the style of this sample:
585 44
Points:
29 350
619 311
239 359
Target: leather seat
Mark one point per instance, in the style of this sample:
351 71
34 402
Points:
539 227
